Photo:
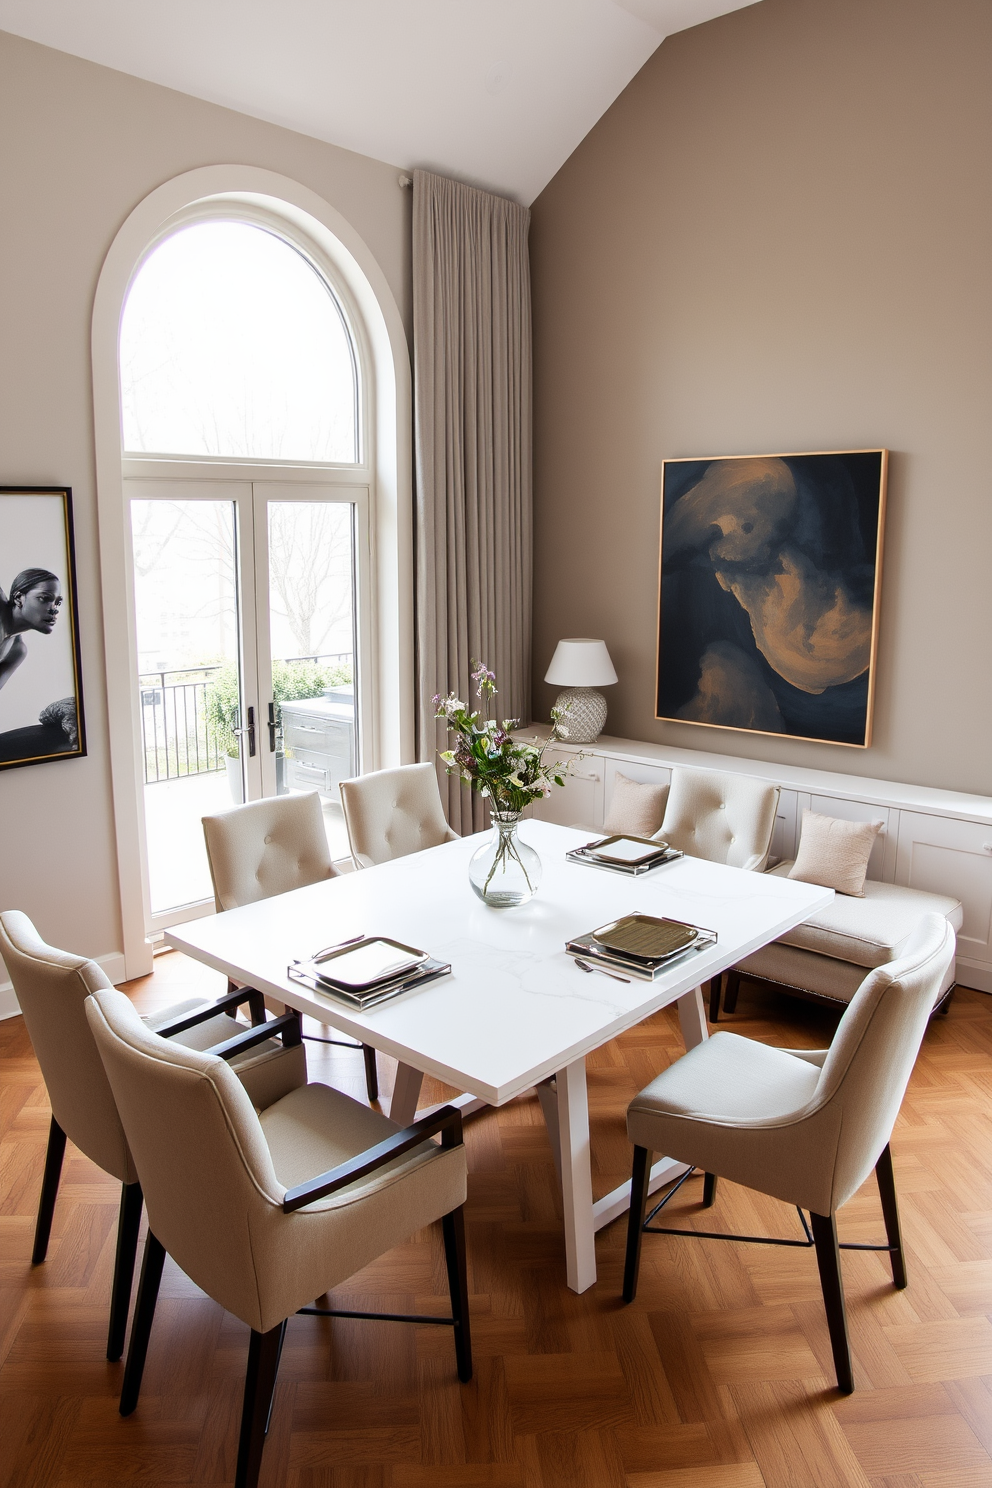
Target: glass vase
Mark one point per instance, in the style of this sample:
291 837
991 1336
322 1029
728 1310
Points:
505 871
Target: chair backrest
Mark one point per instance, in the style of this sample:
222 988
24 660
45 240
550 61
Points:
723 818
205 1168
867 1067
265 848
52 987
390 813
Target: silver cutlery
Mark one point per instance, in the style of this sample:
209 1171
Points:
585 966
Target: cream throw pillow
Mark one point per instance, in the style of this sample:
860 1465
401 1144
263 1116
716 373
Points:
635 808
835 853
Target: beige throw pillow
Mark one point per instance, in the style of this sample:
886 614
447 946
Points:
635 808
835 853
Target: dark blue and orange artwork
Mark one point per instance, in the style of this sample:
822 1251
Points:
768 613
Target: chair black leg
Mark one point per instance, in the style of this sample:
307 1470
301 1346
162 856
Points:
264 1350
709 1190
453 1229
144 1314
371 1072
639 1179
256 1007
715 984
890 1212
49 1189
731 990
832 1286
128 1225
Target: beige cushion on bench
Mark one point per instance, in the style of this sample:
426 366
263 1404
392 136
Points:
868 931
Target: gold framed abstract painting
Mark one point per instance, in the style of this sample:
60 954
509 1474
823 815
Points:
769 593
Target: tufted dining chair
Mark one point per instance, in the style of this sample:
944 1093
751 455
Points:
266 1210
723 818
270 847
52 987
805 1126
390 813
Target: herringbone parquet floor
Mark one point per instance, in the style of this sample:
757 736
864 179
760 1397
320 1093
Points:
717 1377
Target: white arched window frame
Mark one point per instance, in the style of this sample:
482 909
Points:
316 229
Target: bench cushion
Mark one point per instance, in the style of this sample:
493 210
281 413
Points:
870 931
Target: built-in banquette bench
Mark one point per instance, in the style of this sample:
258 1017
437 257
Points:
937 841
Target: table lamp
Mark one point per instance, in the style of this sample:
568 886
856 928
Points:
579 667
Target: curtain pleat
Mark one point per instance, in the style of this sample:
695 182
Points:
472 370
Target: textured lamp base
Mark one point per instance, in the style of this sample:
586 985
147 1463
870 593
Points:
583 714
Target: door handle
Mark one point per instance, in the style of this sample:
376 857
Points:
249 730
273 727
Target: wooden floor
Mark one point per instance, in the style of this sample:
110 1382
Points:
717 1377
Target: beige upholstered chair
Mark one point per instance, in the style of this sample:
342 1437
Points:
723 818
390 813
805 1126
51 988
266 848
266 1211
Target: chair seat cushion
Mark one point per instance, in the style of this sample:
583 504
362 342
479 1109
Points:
869 931
729 1080
316 1128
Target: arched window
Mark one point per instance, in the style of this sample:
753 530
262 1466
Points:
234 345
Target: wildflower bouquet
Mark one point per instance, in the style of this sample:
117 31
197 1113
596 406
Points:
510 773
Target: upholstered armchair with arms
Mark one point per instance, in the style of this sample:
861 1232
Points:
804 1126
390 813
52 987
265 1210
270 847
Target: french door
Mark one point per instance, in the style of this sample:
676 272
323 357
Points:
251 614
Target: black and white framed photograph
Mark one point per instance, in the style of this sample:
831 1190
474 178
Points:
41 695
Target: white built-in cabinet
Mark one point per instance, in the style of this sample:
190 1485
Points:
930 839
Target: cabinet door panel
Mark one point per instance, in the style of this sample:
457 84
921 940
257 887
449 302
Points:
579 802
951 857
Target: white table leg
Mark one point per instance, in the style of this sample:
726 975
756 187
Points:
692 1018
406 1093
576 1176
547 1094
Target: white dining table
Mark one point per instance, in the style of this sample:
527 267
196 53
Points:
515 1013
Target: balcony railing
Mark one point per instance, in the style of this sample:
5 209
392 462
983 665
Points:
174 735
175 738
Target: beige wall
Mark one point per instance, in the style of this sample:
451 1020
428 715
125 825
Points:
777 240
80 146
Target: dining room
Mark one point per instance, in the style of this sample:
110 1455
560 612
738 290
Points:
493 588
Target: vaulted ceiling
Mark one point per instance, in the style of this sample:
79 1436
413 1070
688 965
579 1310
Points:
497 92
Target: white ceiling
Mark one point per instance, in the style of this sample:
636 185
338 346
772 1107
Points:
497 92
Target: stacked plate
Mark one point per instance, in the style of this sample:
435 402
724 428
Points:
624 854
366 970
641 945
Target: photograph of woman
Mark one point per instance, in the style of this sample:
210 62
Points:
39 713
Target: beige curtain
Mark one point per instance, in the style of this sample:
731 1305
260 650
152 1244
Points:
472 364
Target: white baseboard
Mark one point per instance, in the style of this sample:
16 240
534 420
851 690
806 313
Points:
112 963
973 974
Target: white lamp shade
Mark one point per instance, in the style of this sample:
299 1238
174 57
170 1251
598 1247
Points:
581 663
